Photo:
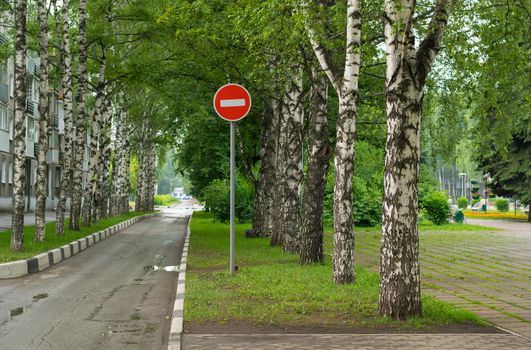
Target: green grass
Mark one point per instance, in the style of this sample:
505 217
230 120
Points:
165 200
272 288
32 248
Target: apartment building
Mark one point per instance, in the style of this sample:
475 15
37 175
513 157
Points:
55 133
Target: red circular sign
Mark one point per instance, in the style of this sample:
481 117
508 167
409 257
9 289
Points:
232 102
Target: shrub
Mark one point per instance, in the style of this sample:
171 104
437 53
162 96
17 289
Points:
436 207
165 200
217 199
502 205
462 202
368 201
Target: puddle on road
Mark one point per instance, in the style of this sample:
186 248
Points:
161 268
40 296
16 312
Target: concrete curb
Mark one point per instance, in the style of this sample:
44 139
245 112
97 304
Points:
52 257
176 330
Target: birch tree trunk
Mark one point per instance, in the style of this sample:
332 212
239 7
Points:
264 199
77 166
19 134
116 166
42 169
293 168
278 210
152 176
126 171
319 152
66 85
143 153
93 151
104 166
347 90
121 178
407 70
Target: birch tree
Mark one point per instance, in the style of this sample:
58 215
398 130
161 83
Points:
264 199
42 170
319 151
19 131
407 70
103 193
93 151
285 218
63 35
77 163
144 152
347 91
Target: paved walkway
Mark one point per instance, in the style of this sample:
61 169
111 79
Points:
488 273
355 341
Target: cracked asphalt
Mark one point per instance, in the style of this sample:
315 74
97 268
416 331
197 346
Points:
111 296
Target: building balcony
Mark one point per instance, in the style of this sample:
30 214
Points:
32 108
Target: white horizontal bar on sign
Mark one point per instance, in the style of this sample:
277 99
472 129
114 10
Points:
233 103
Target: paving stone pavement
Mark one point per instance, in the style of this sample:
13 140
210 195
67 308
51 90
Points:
487 272
355 341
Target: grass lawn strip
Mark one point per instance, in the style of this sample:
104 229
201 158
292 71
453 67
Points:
52 241
271 287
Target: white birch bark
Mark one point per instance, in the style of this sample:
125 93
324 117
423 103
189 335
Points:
105 179
117 186
93 151
406 74
293 167
42 169
278 211
19 137
347 90
319 152
268 168
63 35
77 164
143 156
126 171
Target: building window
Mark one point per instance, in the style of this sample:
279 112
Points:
9 172
4 122
3 169
29 90
11 85
30 130
3 72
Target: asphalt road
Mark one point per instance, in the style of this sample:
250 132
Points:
114 295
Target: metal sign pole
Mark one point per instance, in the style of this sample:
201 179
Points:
232 191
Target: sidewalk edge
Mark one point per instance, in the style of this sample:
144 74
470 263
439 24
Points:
176 330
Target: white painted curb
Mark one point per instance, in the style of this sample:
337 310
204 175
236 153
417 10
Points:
176 330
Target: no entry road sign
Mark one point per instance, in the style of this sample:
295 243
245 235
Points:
232 102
